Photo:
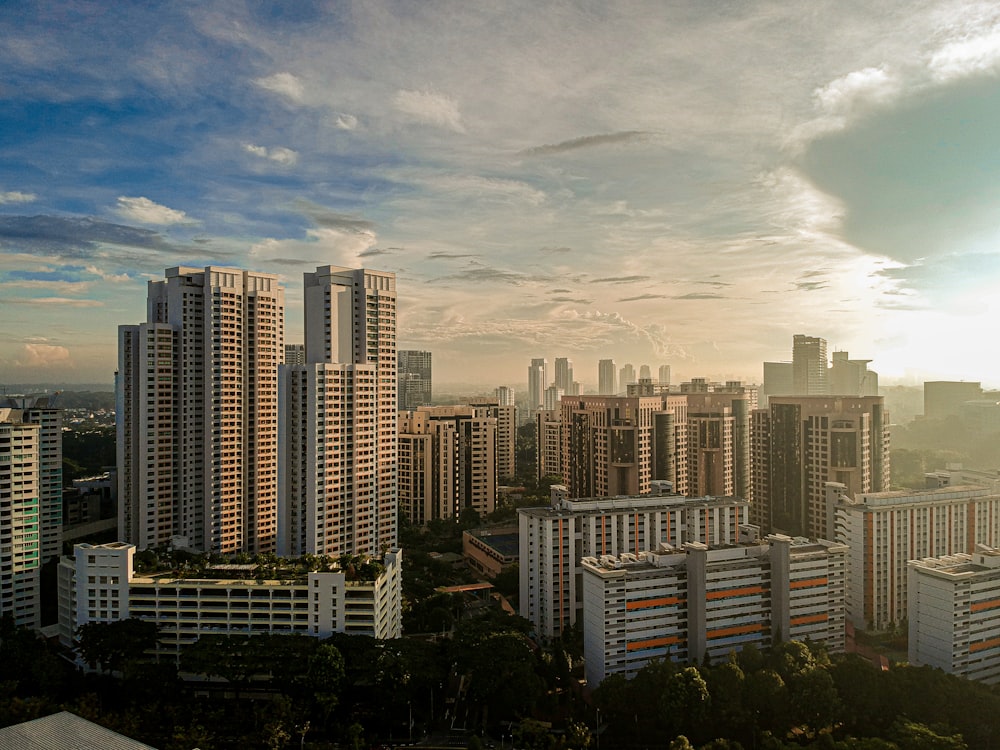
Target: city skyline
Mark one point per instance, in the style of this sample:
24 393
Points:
664 185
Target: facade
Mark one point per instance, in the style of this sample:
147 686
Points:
504 395
718 450
553 397
809 366
800 443
548 443
777 381
564 375
607 377
42 410
851 377
954 614
295 354
197 421
506 417
414 379
664 375
20 518
944 398
338 439
538 381
490 551
886 529
694 601
99 584
555 538
455 469
626 377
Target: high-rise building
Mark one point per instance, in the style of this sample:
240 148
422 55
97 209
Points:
777 381
504 395
295 354
800 443
645 373
809 366
626 377
851 377
414 379
695 602
607 377
555 538
944 398
664 375
197 412
934 523
718 451
42 410
455 469
553 396
954 615
506 417
564 375
538 375
338 434
20 518
548 443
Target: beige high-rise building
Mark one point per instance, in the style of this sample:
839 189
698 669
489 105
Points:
197 412
810 369
718 451
447 462
20 518
548 443
800 443
607 377
338 434
506 416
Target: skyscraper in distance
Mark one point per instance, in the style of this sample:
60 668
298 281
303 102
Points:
537 383
809 366
564 374
664 374
607 377
197 421
413 373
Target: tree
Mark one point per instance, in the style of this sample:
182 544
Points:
814 700
116 646
914 736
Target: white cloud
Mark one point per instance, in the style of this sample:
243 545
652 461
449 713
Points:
430 108
346 122
60 287
145 211
114 278
43 355
968 56
15 196
865 87
283 84
53 301
323 245
279 154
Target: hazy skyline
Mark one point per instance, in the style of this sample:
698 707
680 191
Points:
687 184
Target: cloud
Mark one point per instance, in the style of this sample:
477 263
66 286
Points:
43 355
451 256
967 56
642 297
77 237
550 249
479 273
587 141
430 108
58 286
114 278
620 279
865 87
345 122
145 211
53 301
699 295
573 300
279 154
15 196
283 84
324 217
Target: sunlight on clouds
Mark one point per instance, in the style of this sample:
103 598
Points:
43 356
967 56
430 108
280 154
145 211
283 84
345 122
16 196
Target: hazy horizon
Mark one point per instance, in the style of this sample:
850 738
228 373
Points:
687 184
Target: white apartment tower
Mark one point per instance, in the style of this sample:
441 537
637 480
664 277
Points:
607 377
337 471
197 412
538 380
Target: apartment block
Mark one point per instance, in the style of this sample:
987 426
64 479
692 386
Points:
555 538
99 584
506 416
886 529
338 435
694 601
447 462
800 443
954 613
414 379
197 422
20 517
548 443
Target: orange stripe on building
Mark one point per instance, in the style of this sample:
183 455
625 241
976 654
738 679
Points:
980 606
735 630
650 603
654 643
809 619
983 645
808 583
726 593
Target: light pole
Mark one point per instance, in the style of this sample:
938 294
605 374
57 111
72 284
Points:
598 731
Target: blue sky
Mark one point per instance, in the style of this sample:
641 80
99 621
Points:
686 183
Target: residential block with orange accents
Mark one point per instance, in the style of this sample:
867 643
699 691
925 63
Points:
694 601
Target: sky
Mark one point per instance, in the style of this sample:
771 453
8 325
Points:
681 183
